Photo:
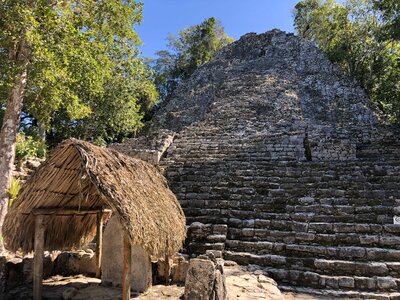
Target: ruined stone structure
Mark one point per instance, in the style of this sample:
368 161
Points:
272 145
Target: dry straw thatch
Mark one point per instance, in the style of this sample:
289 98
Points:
79 175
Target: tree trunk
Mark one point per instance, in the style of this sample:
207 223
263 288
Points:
9 129
42 132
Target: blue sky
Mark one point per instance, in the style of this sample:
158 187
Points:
239 17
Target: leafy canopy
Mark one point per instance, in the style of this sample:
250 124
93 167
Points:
360 37
390 10
191 48
84 78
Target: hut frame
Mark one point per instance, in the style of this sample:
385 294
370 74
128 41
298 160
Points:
40 226
134 190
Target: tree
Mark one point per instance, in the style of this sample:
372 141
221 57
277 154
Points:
71 59
354 35
115 114
304 17
390 10
193 47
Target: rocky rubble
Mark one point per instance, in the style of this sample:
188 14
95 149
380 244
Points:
252 283
17 270
241 283
24 168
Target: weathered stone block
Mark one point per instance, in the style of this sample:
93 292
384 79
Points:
389 240
248 232
346 282
365 283
332 282
386 283
200 279
221 229
369 239
299 227
179 271
216 238
215 253
220 292
352 252
311 277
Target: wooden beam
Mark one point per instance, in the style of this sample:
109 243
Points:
99 242
38 257
64 211
126 268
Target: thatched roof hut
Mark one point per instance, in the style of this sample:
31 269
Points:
79 177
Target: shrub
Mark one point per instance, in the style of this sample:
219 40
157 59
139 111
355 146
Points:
28 147
14 190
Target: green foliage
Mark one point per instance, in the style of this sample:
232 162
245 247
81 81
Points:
115 114
29 147
13 191
390 10
85 78
193 47
354 35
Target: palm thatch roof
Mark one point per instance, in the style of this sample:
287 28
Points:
81 176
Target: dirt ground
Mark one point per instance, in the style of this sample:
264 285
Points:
241 285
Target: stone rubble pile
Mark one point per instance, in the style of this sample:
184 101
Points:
24 168
18 270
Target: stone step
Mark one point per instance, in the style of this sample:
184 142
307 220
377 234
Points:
338 239
349 283
268 186
264 199
340 294
282 222
284 175
289 185
201 248
279 181
332 267
248 148
268 160
374 287
314 251
197 208
316 174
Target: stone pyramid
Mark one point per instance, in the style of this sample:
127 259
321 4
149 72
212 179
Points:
281 160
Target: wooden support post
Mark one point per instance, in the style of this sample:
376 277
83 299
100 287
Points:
38 257
126 272
99 242
167 270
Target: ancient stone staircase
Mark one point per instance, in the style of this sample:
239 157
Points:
309 223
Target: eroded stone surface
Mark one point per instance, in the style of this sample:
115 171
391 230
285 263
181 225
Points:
249 285
200 279
112 259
